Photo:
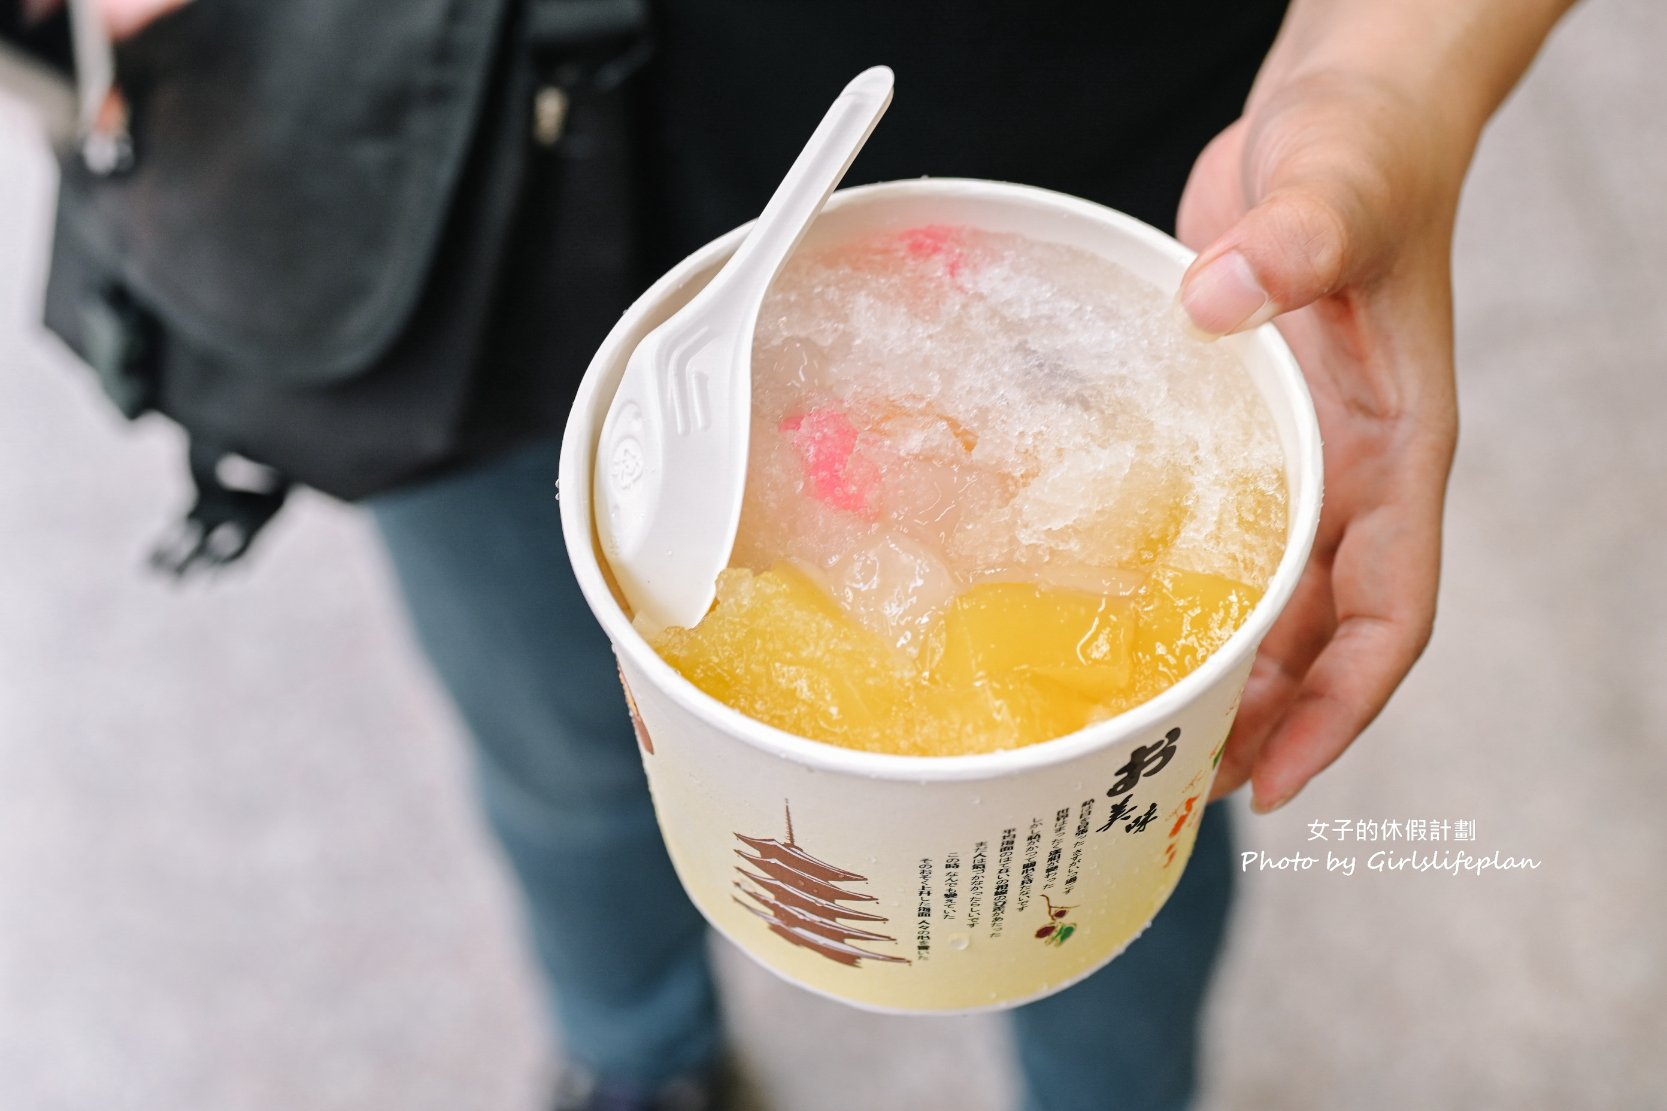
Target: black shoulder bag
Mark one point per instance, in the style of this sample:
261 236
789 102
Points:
305 262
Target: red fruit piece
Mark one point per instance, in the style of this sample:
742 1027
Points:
929 240
835 472
1060 913
941 241
1044 931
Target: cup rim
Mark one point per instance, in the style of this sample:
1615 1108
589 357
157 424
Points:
576 476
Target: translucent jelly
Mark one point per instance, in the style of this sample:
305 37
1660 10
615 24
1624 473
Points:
1003 664
994 495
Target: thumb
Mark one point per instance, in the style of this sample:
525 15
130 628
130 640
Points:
1299 243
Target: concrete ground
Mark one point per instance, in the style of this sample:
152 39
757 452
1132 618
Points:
239 867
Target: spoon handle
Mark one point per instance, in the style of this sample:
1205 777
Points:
813 175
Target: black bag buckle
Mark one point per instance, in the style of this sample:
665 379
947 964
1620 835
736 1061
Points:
579 48
236 497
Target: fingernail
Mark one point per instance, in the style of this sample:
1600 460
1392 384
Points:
1225 297
1183 320
1261 807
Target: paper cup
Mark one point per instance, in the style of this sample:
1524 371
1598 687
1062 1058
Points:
935 884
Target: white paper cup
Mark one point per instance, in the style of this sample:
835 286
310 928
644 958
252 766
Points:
926 884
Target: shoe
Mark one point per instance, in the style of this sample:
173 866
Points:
708 1089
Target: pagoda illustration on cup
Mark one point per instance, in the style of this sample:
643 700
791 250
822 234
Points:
800 897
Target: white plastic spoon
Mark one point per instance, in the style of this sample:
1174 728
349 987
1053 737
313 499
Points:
671 464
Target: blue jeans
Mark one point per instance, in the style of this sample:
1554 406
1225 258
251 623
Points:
485 576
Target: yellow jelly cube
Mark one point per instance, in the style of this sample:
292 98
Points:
776 647
1076 640
1184 617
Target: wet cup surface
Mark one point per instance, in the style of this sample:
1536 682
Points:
935 884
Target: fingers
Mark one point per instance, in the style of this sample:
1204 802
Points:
1299 635
1267 693
1211 203
1294 247
1385 583
1329 170
1345 689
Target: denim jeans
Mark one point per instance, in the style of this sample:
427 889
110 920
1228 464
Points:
480 561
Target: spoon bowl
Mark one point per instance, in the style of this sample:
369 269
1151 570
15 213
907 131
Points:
671 462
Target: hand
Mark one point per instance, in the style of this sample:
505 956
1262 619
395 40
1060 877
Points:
1331 206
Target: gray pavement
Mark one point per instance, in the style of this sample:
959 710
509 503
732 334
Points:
240 870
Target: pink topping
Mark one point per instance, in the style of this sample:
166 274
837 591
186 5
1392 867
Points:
935 241
835 471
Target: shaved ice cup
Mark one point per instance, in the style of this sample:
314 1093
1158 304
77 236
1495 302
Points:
912 884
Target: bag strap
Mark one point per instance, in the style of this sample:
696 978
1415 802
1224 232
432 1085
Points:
235 500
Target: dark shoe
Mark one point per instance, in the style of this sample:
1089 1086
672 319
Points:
710 1089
